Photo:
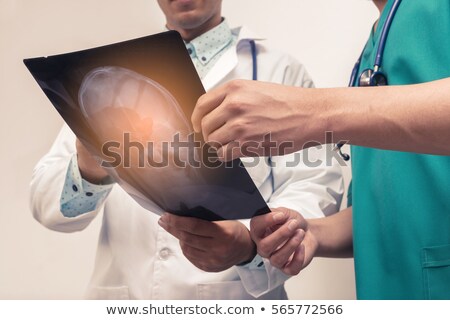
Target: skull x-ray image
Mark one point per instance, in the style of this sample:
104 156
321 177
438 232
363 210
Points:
130 103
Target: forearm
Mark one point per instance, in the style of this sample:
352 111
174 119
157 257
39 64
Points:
333 235
413 118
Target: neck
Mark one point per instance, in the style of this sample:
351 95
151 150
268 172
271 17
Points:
380 4
190 34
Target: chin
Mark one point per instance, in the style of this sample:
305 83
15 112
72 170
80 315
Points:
189 20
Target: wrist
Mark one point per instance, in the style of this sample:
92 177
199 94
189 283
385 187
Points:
313 111
250 253
326 111
345 112
92 174
315 228
88 167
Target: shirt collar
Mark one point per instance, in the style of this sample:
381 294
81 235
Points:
208 45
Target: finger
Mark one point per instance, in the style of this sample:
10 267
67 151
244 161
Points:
205 104
204 260
193 253
213 121
188 224
297 262
267 246
173 231
195 256
233 144
223 133
229 151
259 224
170 229
217 144
282 256
193 240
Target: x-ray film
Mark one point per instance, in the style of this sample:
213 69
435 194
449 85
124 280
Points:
130 103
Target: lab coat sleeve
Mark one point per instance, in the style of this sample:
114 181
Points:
295 74
259 276
305 181
78 195
47 184
312 191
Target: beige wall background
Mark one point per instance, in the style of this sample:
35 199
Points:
35 263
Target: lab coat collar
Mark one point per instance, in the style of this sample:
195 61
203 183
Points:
245 33
229 59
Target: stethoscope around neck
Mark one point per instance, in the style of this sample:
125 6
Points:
372 77
254 59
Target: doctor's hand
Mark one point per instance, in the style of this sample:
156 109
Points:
89 168
283 237
239 116
211 246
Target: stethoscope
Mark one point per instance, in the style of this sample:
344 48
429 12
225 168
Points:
372 77
254 59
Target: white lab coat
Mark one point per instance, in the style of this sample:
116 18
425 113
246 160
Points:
137 259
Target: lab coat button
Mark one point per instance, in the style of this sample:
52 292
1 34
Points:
74 188
164 254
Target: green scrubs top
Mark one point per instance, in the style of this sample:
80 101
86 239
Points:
401 201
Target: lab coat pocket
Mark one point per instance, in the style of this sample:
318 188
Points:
226 290
108 293
436 272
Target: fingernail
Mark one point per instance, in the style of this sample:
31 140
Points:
293 224
278 216
301 233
